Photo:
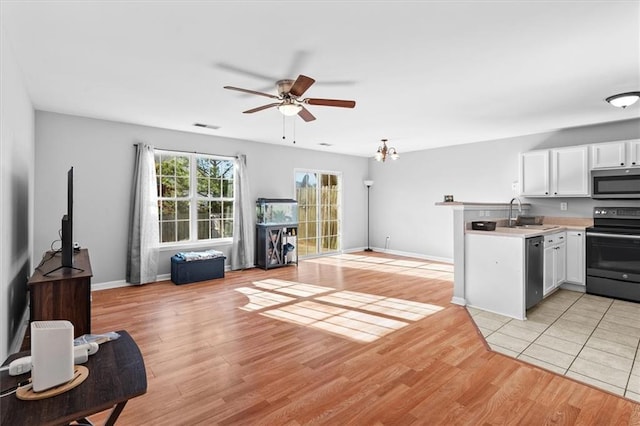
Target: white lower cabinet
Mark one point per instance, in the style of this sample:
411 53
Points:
555 253
494 276
575 257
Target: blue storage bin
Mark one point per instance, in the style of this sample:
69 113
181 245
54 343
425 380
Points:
185 272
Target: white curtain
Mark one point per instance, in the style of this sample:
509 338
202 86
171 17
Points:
142 250
242 251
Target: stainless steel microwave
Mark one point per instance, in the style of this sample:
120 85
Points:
615 184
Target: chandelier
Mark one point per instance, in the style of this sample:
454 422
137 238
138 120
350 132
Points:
383 151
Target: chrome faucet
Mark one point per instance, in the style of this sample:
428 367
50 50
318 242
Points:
511 209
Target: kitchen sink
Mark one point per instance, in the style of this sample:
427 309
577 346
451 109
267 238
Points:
540 227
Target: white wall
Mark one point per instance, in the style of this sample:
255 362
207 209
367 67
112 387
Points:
102 155
16 197
405 191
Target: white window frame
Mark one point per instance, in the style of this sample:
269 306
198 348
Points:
193 201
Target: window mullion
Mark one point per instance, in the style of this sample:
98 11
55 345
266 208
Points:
193 202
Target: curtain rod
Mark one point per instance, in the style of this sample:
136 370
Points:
192 152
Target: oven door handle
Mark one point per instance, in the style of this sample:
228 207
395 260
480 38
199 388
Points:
598 234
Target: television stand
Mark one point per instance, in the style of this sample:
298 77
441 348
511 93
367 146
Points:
62 267
63 293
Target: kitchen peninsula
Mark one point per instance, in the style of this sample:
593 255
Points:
489 266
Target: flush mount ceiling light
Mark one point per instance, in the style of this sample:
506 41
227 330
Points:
623 100
383 152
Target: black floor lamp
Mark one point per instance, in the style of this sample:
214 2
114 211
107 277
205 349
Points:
368 184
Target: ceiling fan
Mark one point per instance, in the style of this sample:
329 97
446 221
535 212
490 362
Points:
289 101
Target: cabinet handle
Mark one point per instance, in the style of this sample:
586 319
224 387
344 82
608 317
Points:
546 193
555 193
633 163
622 164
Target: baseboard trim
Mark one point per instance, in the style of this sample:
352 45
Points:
459 301
416 255
122 283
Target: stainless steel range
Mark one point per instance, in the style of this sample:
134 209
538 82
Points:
613 253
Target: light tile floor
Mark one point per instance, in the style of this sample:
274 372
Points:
589 338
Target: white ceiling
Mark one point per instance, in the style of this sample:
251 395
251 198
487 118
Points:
423 74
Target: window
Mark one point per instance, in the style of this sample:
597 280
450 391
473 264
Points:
195 197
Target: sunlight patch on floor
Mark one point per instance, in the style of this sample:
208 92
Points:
292 287
259 299
422 269
351 324
334 311
399 308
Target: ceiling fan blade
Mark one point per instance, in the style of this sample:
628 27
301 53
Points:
301 85
306 115
330 102
260 108
249 73
253 92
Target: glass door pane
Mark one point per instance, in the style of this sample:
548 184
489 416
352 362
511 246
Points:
318 196
329 230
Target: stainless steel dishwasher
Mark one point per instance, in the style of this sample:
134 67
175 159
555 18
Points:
534 270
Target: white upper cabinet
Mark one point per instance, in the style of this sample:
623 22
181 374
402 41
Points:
561 172
634 152
570 172
616 154
534 173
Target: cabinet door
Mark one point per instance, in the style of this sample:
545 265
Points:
570 172
534 173
634 153
575 257
610 154
560 262
548 280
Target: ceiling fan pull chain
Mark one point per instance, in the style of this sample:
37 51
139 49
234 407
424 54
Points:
294 131
283 129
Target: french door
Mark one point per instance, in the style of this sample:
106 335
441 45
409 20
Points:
319 226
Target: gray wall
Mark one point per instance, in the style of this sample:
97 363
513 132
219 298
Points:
16 197
405 191
102 154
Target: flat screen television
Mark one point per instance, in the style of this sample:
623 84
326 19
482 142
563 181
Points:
67 225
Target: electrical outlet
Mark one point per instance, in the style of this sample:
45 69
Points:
487 213
481 213
515 186
563 206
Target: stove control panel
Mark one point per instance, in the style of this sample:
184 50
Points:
617 212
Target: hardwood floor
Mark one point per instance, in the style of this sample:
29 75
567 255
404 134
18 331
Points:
219 352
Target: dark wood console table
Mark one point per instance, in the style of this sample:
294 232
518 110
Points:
64 293
116 374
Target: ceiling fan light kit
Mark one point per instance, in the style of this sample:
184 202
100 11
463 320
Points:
289 109
623 100
289 102
384 152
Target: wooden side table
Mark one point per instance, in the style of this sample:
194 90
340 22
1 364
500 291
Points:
116 374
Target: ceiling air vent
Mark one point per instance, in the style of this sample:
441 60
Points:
325 144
